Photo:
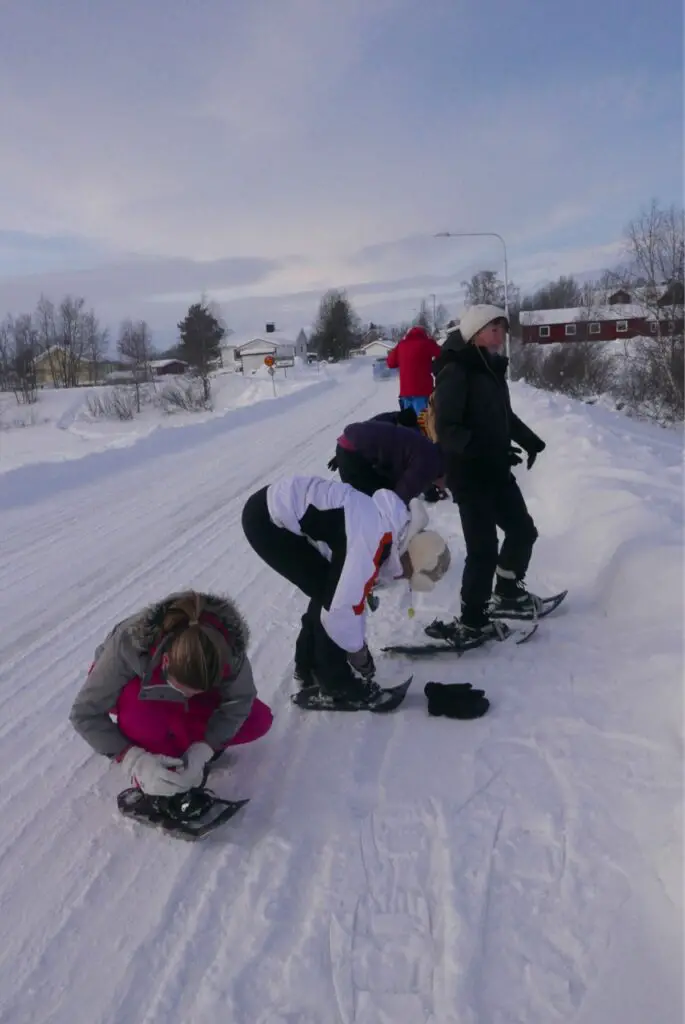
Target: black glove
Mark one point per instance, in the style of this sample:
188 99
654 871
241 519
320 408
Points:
407 418
333 464
515 456
533 454
455 700
434 493
362 663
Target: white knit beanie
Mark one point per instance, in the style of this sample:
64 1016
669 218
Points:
475 318
430 559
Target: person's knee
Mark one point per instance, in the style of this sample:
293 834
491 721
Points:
526 532
482 546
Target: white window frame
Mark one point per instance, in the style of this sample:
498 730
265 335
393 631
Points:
570 330
543 332
654 327
595 328
621 326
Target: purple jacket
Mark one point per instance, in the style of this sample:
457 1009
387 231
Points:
405 456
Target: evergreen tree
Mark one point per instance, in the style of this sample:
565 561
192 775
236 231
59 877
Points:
201 334
337 329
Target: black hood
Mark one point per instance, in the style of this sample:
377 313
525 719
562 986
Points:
471 357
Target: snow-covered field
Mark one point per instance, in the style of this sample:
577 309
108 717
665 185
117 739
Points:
525 868
60 425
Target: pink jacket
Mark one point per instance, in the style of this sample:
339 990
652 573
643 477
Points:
170 727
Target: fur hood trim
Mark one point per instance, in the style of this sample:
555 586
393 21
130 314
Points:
146 629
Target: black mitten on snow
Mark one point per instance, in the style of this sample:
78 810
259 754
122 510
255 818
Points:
333 464
455 700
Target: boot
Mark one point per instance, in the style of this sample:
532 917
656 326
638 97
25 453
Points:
464 635
511 600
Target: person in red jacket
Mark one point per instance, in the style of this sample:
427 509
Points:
413 355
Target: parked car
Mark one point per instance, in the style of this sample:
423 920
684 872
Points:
381 370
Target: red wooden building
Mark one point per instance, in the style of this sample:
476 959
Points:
619 319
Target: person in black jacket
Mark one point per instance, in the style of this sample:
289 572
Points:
477 430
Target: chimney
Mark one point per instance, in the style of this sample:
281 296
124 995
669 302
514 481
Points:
270 328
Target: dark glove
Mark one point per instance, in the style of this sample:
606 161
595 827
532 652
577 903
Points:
362 663
408 418
455 700
533 453
433 494
515 456
333 464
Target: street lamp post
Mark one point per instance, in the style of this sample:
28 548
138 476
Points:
489 234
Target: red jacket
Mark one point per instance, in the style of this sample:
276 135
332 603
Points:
414 356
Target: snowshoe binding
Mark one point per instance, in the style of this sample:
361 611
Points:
457 638
191 815
370 697
523 605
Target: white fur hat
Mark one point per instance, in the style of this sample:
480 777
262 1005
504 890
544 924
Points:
475 318
430 559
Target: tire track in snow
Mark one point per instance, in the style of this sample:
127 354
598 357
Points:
41 680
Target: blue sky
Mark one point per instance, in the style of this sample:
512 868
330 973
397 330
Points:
265 151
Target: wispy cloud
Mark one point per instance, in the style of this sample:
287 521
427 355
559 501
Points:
218 146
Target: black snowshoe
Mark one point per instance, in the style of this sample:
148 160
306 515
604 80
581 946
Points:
523 605
190 815
456 638
370 697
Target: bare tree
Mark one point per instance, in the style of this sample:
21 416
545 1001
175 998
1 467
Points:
6 354
398 331
46 325
18 350
95 344
71 340
487 288
135 344
654 272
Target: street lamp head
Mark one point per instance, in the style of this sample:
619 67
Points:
443 234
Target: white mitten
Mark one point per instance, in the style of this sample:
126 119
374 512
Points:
154 773
196 757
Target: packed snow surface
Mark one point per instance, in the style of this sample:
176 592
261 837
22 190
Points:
525 868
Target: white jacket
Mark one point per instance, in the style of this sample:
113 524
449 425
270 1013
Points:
370 524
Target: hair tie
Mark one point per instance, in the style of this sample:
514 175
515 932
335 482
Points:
193 622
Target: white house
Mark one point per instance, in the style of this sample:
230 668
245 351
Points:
376 349
252 353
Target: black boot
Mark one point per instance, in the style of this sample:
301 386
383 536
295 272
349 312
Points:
511 600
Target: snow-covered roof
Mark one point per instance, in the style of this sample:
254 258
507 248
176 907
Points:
159 364
376 341
620 311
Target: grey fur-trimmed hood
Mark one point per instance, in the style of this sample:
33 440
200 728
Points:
145 630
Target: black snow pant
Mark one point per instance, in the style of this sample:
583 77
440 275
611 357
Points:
482 511
357 471
317 657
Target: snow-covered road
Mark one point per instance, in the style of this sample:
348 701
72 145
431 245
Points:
402 870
